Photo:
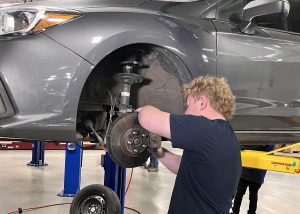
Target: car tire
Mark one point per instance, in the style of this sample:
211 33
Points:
95 199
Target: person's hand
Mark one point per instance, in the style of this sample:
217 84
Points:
154 141
154 146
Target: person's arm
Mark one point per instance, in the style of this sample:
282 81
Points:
155 121
169 159
158 122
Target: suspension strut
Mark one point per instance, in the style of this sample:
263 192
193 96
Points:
126 79
126 140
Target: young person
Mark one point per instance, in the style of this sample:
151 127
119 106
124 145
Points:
208 172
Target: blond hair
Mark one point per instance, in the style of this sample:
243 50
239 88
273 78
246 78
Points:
216 89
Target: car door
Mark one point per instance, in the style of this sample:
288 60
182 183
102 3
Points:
263 70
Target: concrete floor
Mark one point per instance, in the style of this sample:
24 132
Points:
149 193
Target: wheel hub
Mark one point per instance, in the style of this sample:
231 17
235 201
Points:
127 141
93 204
137 140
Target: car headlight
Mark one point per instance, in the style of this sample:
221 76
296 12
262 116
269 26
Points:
15 20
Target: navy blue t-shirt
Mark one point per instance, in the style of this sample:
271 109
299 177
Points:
210 167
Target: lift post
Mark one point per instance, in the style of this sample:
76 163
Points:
73 162
271 161
38 154
115 178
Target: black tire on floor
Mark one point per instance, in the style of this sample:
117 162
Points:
95 199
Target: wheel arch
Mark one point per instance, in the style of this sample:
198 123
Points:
167 70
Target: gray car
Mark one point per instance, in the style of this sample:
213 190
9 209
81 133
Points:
73 69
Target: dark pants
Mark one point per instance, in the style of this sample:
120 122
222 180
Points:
153 161
253 190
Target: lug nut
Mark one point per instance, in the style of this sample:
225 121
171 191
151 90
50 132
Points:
135 150
134 133
129 142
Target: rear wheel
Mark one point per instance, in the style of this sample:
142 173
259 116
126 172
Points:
95 199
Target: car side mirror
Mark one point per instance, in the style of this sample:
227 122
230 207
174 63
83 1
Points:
265 11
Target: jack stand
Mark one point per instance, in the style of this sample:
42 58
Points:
38 154
115 178
73 162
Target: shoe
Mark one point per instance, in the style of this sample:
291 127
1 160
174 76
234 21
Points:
144 165
147 166
152 169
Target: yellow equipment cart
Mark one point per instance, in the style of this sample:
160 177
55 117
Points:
271 160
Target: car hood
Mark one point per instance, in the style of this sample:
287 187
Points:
183 8
80 4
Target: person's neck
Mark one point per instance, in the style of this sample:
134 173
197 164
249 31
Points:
216 117
212 115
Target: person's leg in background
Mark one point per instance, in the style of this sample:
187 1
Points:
242 187
153 165
253 197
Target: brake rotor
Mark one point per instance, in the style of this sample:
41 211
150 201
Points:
127 141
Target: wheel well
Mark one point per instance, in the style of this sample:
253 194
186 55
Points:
161 87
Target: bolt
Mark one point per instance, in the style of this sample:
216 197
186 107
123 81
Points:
129 142
135 150
144 135
134 133
144 146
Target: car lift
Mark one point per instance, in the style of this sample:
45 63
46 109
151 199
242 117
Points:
271 161
73 163
115 178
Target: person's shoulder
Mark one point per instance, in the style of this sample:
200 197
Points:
220 126
189 117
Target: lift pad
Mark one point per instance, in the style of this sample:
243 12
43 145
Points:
271 160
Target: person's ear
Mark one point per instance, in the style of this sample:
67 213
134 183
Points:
203 102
